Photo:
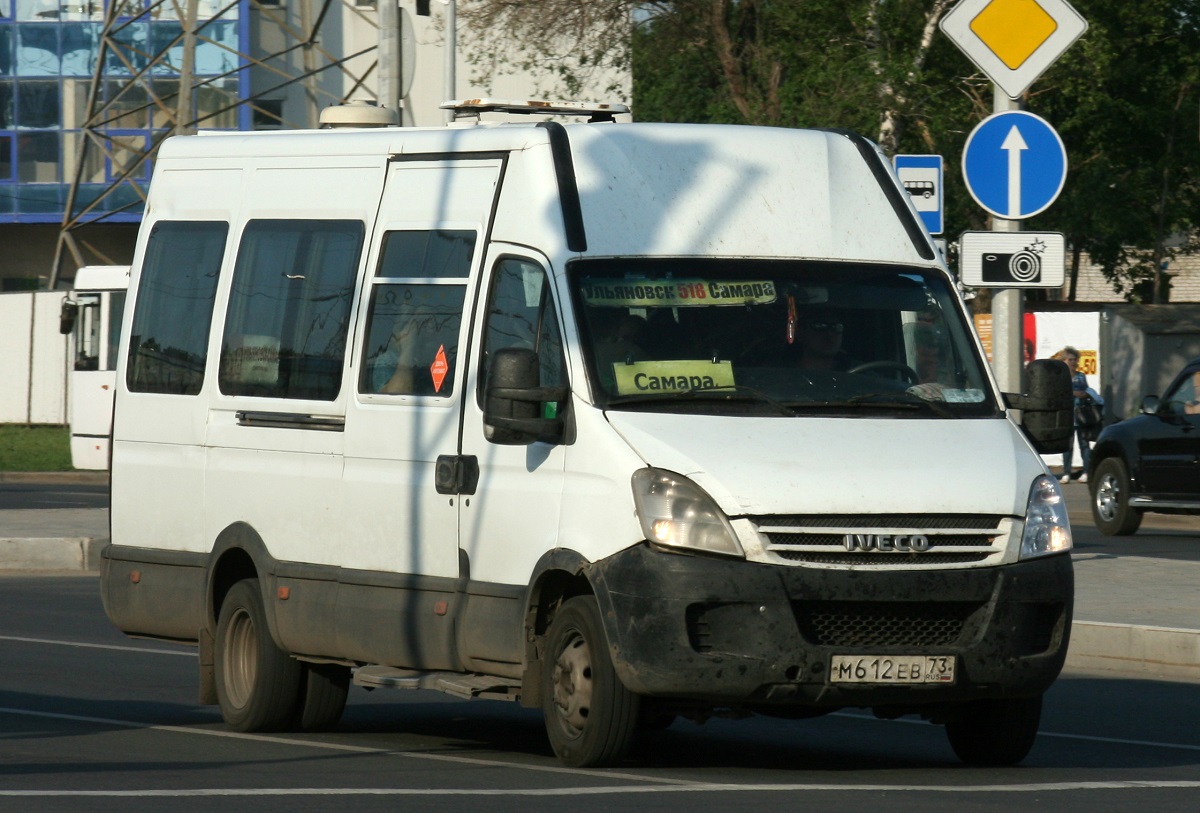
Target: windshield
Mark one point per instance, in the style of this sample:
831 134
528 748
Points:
776 337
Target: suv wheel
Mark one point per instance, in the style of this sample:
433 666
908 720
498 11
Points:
1110 499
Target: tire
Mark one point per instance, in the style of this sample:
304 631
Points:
994 733
322 696
1110 499
590 716
258 684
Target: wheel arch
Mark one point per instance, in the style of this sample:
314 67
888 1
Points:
1119 448
237 554
559 575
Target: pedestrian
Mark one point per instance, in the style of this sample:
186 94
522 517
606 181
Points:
1085 397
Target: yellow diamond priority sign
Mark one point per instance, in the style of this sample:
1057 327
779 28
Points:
1013 41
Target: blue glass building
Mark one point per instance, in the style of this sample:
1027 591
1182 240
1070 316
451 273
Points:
51 138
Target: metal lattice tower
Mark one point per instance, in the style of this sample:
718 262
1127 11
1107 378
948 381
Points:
297 59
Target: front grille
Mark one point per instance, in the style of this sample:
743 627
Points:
848 559
953 539
879 624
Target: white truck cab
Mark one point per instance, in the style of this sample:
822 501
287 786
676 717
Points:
622 421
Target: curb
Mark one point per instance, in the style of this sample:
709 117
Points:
50 477
1130 650
72 553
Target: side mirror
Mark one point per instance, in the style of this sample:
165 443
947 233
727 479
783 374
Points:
66 316
515 406
1150 405
1047 407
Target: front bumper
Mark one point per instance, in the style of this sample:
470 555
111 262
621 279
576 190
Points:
728 632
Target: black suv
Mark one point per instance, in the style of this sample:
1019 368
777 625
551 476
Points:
1150 462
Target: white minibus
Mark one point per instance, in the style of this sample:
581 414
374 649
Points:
627 422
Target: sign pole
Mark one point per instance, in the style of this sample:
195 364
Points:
1013 43
1007 303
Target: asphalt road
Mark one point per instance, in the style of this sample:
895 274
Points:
91 720
47 495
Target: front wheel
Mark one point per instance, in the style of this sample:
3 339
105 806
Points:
590 716
995 732
258 684
1110 499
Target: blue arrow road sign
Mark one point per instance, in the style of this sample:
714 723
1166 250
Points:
922 178
1014 164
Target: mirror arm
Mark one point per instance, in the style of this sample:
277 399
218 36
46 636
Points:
531 426
530 395
1030 403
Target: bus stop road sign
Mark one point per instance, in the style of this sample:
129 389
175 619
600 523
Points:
1014 164
1012 259
921 176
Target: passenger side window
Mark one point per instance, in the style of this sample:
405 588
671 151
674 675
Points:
168 346
415 313
521 314
289 310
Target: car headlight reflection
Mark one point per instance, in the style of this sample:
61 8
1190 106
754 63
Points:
1047 529
676 513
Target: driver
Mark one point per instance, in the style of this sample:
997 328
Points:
820 341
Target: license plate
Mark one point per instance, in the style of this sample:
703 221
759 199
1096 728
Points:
892 669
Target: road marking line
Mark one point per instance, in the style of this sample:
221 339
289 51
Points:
356 749
80 645
619 791
654 784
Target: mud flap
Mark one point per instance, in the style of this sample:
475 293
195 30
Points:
208 675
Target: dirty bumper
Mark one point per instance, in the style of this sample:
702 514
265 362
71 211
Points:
735 633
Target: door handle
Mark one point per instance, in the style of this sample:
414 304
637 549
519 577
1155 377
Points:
456 474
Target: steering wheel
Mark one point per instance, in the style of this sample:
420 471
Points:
909 374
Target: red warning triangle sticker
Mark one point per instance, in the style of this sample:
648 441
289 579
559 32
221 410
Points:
439 368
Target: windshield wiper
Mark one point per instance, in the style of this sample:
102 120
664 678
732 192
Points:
902 400
737 392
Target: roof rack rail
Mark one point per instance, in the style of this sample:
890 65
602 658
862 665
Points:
596 111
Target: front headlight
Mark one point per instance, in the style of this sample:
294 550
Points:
676 513
1047 529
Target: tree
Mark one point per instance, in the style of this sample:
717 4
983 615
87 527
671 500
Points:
569 43
1126 100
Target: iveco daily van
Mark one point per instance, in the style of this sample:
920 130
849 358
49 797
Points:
626 422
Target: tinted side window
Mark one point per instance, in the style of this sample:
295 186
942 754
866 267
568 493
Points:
116 308
416 311
289 309
168 347
521 314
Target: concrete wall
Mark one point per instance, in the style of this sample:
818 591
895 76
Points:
1144 347
34 359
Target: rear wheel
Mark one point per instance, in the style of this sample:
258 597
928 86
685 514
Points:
590 716
995 732
1110 499
258 684
322 696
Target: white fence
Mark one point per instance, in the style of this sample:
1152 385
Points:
34 359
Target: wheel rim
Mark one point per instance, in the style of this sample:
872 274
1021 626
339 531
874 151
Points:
573 684
241 663
1108 497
